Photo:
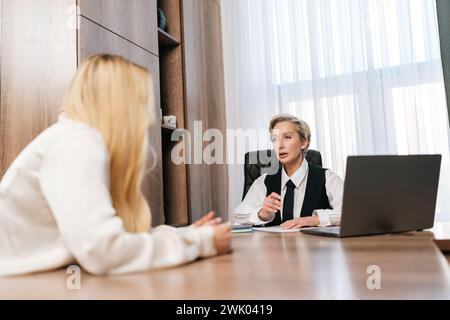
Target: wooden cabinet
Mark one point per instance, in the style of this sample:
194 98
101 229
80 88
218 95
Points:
134 20
38 61
96 39
40 55
41 48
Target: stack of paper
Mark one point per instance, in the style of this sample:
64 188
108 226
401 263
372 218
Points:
276 229
243 228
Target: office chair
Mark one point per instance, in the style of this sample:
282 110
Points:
259 162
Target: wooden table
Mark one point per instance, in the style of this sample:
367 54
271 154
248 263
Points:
441 233
271 266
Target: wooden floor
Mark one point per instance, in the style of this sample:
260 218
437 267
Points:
271 266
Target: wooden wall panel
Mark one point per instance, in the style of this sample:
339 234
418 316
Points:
135 20
95 39
38 61
216 102
205 100
196 104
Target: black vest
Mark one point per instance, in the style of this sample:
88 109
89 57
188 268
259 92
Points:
315 195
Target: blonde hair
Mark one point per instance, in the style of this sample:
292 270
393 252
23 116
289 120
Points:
115 96
302 128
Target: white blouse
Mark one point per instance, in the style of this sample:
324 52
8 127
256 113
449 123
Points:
247 211
56 210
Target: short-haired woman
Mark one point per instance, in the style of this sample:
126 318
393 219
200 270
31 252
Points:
299 194
74 194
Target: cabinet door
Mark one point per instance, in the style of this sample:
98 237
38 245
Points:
135 20
38 61
95 39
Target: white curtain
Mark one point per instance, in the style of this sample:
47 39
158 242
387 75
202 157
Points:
365 74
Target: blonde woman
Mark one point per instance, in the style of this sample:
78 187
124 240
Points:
299 194
74 194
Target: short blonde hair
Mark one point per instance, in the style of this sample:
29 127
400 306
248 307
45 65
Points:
302 128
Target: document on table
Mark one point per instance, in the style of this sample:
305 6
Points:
277 229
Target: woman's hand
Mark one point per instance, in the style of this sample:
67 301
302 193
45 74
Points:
208 220
222 238
272 204
222 232
301 222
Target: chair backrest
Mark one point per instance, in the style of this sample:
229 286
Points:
260 162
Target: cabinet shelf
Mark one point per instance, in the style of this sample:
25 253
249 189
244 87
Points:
165 127
167 40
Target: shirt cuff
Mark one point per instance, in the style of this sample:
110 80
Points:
206 243
203 237
255 220
328 217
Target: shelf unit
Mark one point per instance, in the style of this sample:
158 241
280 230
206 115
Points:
170 41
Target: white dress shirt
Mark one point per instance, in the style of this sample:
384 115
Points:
56 209
247 211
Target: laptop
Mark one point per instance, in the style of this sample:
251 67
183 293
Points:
386 194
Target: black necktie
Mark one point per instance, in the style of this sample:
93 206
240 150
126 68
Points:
288 202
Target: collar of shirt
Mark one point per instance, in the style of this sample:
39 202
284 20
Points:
297 178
